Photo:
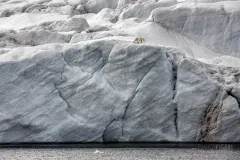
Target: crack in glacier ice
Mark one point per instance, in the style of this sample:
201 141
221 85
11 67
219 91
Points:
133 96
211 117
105 129
235 97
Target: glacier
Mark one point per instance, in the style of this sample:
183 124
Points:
70 72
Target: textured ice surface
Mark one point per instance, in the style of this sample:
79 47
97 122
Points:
69 71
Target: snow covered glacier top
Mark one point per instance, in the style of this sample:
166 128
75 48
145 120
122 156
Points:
204 29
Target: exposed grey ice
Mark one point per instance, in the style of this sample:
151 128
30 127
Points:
70 70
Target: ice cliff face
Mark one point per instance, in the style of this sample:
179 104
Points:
214 26
70 72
